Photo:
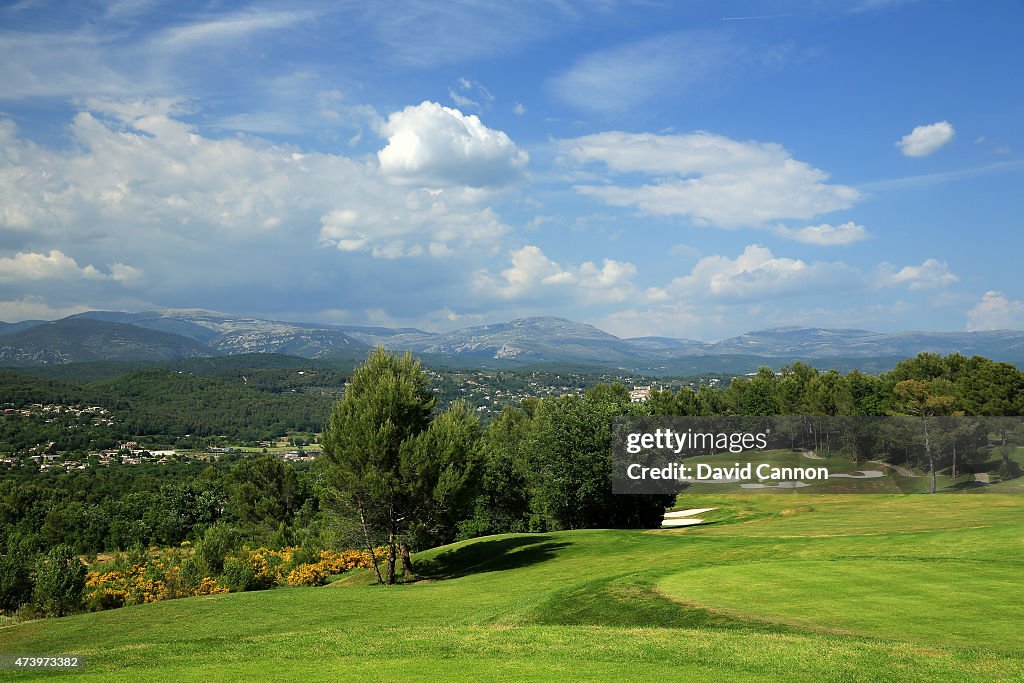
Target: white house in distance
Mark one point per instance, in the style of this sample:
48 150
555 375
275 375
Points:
640 394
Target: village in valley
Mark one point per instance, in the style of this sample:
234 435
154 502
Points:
103 441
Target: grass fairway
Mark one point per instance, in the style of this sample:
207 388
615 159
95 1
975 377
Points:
803 588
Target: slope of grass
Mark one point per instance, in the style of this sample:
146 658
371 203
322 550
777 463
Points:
803 588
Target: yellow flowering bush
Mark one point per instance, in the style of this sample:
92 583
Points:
307 575
209 586
139 578
333 562
155 577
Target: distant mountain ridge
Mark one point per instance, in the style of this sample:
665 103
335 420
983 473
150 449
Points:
184 333
78 340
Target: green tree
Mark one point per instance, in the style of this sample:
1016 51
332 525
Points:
15 579
60 582
925 401
440 470
570 456
402 476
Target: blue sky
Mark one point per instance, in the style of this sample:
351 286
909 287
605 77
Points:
691 169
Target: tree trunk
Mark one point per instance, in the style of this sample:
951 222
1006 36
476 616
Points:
369 543
406 562
391 558
954 460
931 456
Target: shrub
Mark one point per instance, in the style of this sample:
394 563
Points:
238 574
209 586
1009 469
60 582
193 571
106 598
307 575
217 543
15 581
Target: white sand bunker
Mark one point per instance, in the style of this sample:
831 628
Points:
812 455
780 485
982 477
687 513
680 518
902 471
684 521
861 474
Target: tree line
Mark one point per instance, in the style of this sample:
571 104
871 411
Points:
400 473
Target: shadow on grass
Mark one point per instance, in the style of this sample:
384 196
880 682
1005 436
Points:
963 485
489 556
632 601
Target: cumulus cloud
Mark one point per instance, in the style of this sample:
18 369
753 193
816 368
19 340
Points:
755 274
679 321
56 265
135 171
995 311
428 223
532 274
925 140
707 178
931 274
825 235
432 144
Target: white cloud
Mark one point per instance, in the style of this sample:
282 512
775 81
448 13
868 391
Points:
431 144
519 109
931 274
467 89
533 275
925 140
928 179
427 223
996 312
755 274
825 235
134 173
56 265
621 78
36 308
679 320
226 27
708 179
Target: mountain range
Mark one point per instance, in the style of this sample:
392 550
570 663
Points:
175 334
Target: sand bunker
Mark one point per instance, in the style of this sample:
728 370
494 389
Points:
902 471
685 521
687 513
780 485
861 474
812 455
683 517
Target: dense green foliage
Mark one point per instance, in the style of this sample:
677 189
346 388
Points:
403 475
60 582
431 476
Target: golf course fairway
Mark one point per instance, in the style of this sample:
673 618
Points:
770 587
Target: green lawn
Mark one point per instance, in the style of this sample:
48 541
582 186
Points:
804 588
